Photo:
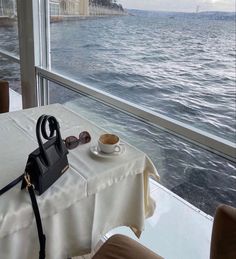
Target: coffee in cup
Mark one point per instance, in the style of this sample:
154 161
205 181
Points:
109 143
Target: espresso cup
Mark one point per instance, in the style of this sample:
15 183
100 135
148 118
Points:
109 143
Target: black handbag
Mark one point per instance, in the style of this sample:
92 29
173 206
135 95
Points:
49 161
44 166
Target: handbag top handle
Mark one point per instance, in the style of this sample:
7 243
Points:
41 129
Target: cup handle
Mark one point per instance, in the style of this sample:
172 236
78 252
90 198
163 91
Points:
117 148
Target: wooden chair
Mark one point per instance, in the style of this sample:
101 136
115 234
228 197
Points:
4 96
223 241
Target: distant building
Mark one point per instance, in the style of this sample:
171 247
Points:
55 7
85 7
69 7
8 8
74 7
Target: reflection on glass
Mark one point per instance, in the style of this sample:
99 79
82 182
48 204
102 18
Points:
200 177
8 26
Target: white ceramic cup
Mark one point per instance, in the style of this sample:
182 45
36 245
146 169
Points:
109 143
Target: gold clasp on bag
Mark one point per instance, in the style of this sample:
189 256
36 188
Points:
28 183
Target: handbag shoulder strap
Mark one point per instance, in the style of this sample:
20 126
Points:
41 235
30 188
11 184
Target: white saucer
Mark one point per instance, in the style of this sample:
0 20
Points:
95 150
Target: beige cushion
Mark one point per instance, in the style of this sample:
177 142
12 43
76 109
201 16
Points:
123 247
223 240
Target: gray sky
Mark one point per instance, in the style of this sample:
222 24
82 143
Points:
180 5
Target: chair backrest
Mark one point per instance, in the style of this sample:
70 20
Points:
223 239
4 96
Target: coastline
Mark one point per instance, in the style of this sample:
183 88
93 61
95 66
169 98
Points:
60 18
10 21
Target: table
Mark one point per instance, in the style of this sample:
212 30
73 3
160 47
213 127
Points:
92 197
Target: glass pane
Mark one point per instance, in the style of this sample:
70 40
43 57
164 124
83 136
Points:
10 71
200 177
181 63
8 26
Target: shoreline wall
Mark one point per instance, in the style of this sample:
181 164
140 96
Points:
60 18
100 10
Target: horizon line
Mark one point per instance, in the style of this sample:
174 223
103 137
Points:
165 11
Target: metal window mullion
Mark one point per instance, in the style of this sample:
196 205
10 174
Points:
44 34
33 27
44 45
204 139
28 28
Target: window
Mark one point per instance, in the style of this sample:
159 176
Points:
181 65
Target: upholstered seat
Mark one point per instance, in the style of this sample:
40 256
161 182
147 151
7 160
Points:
123 247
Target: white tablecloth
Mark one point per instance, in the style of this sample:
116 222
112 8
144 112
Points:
92 197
